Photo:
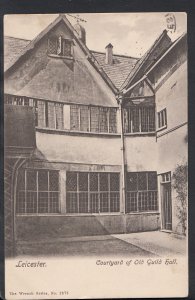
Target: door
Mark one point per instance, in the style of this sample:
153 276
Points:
166 206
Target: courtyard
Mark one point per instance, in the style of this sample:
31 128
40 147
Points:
140 244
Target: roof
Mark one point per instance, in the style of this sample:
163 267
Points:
120 68
169 49
117 76
117 72
141 63
91 58
13 48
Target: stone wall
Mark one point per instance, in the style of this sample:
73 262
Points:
48 227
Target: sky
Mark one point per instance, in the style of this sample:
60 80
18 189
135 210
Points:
130 33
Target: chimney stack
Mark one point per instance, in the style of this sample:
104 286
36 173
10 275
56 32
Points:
81 32
109 54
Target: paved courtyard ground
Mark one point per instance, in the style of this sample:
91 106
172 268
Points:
148 244
157 242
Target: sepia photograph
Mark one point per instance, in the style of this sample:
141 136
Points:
96 153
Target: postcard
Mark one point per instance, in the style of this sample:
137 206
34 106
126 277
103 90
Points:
96 155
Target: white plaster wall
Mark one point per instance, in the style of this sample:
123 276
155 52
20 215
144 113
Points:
141 153
172 146
172 95
79 149
172 149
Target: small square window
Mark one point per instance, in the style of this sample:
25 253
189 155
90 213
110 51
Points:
166 177
59 46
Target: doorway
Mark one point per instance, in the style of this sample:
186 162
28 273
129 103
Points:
166 206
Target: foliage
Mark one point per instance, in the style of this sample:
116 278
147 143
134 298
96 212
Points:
179 183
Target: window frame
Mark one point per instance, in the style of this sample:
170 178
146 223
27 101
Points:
37 192
133 116
139 196
43 108
162 119
107 112
99 195
165 177
59 40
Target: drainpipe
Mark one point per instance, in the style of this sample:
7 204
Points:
120 102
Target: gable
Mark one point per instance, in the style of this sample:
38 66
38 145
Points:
162 46
142 89
39 75
148 59
170 62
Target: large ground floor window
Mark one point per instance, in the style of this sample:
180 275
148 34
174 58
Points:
92 192
37 192
142 195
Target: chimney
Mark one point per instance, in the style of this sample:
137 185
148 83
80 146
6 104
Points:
81 32
109 54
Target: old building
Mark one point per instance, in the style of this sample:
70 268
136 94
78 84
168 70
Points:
168 80
107 132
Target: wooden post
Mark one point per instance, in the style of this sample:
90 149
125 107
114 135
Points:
62 189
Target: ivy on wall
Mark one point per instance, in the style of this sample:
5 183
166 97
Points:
179 183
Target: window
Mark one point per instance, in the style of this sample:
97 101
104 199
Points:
74 117
66 47
37 192
141 192
60 46
25 101
139 119
166 177
54 115
93 118
84 118
162 118
92 192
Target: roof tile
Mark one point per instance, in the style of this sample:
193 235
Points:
119 70
12 49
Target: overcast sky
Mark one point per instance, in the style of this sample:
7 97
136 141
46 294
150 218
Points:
130 33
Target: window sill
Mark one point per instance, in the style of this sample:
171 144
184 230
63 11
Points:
70 214
87 214
60 56
144 212
135 134
71 132
88 133
162 128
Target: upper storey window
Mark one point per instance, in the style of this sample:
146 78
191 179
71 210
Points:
55 115
60 46
139 119
162 119
93 118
